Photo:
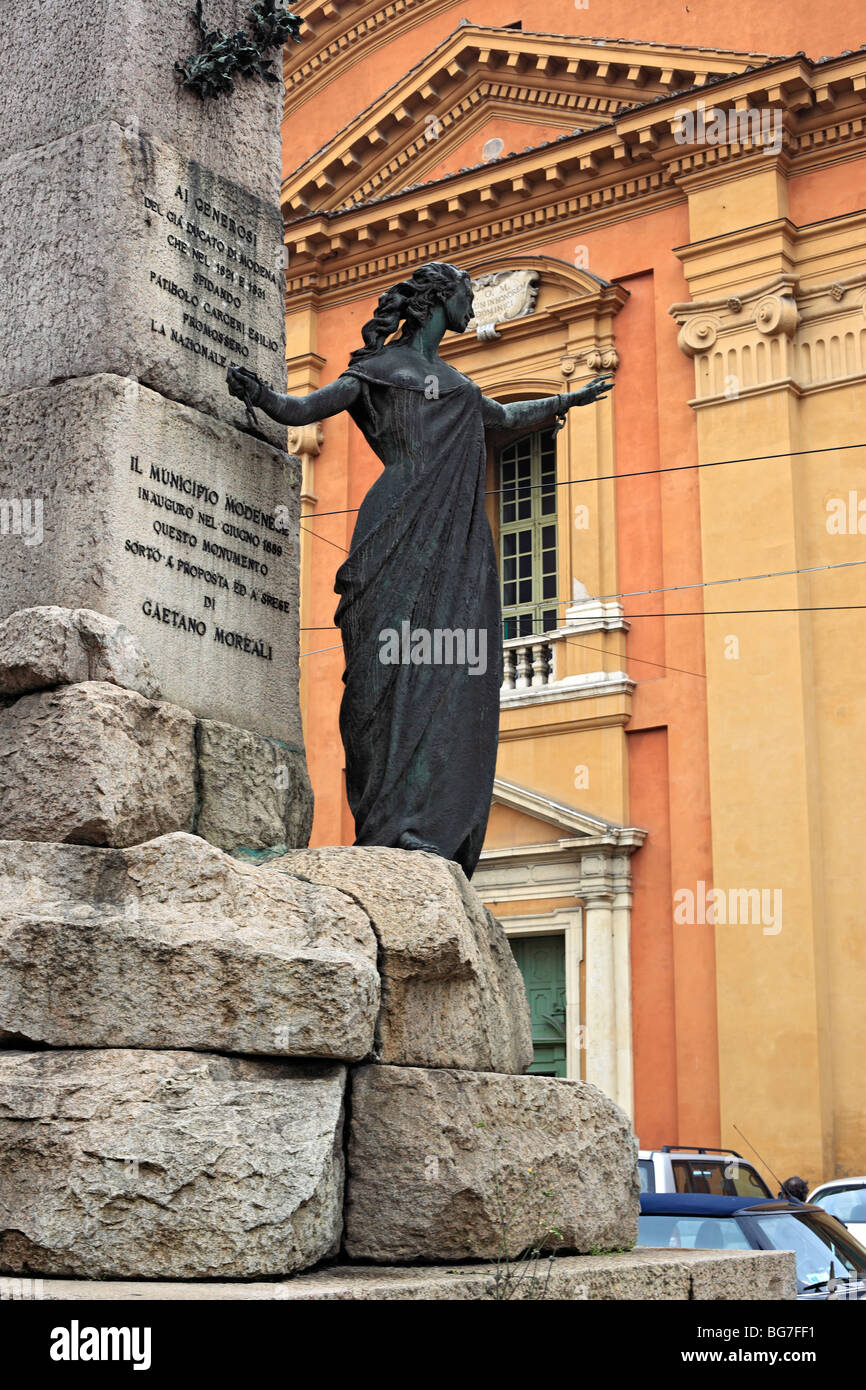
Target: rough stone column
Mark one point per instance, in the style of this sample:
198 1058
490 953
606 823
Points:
141 251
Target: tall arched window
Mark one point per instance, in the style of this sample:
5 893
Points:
527 535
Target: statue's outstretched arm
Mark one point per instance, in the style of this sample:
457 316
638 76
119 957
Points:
530 415
293 410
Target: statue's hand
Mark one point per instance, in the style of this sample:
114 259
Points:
597 388
246 385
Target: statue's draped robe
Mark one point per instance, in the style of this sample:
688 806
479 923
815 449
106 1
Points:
420 740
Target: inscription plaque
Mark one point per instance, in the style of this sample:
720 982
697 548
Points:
500 296
176 525
176 273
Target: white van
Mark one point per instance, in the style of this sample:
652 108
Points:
712 1172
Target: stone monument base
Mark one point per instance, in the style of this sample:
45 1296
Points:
659 1275
217 1069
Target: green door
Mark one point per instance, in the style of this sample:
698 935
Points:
542 964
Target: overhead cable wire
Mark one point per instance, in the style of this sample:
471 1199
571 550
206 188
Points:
518 488
674 588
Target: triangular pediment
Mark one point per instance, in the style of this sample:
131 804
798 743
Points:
484 84
484 127
524 819
538 818
507 827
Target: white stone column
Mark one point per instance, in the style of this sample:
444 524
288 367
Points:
622 984
601 1032
574 1034
605 886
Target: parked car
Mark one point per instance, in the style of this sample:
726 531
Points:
722 1172
846 1200
831 1262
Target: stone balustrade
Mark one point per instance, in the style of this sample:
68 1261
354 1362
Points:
527 661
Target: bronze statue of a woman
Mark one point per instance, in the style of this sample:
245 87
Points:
420 588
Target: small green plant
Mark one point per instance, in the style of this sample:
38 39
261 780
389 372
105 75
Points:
222 57
523 1273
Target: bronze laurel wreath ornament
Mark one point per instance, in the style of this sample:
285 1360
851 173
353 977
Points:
223 57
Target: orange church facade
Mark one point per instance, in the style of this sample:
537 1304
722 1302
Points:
689 218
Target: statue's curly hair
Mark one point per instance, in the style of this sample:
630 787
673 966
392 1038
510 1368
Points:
413 300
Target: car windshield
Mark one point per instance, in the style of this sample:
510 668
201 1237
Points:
692 1233
717 1177
816 1241
845 1203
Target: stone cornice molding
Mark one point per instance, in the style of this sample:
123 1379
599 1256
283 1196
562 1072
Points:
800 150
822 108
640 142
594 615
612 172
337 31
728 259
308 366
554 870
623 841
612 845
456 126
416 154
590 686
334 33
615 72
449 226
595 869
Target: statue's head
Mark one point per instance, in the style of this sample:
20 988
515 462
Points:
412 302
